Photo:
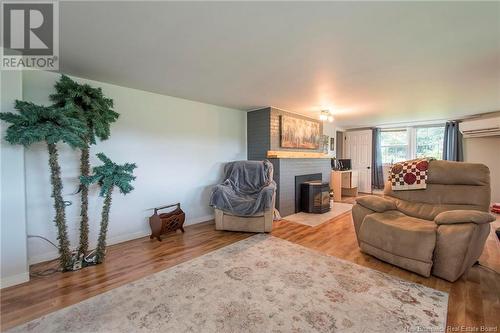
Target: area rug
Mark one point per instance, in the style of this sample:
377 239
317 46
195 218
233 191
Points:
260 284
313 220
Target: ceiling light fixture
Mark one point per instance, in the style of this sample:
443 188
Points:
326 115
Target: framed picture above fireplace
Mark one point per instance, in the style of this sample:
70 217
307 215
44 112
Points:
299 133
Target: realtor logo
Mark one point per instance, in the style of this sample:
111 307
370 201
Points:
30 35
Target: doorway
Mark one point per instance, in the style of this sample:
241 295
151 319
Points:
358 148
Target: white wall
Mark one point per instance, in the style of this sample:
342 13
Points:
331 129
486 150
14 268
178 145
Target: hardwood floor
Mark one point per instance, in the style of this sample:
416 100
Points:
125 262
474 299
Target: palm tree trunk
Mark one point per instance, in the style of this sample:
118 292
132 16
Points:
60 219
84 223
101 243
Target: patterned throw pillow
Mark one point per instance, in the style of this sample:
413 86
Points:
409 175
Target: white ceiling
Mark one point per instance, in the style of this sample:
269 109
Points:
370 62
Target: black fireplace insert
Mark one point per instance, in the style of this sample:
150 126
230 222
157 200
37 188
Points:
298 183
315 197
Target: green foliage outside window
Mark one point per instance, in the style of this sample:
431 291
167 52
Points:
394 144
425 142
429 142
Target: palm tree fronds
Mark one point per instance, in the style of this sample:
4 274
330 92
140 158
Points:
50 124
92 106
35 123
110 175
96 112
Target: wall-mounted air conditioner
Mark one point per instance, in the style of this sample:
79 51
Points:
476 128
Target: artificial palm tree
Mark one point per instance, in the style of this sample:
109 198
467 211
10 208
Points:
108 176
96 111
36 123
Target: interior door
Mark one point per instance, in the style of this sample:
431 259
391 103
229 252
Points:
358 147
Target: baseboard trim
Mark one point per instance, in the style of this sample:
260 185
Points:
201 219
110 241
114 240
14 279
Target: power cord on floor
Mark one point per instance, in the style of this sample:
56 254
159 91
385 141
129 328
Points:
48 271
45 239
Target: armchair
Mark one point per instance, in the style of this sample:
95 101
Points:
245 200
440 230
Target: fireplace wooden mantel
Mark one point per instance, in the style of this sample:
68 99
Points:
295 154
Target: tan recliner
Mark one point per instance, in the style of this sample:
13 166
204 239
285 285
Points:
441 229
258 223
245 200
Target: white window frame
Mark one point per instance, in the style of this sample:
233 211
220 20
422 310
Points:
415 135
408 144
411 153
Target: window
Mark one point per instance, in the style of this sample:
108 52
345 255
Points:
429 142
394 144
403 144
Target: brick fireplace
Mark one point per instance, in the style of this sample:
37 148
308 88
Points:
263 136
285 171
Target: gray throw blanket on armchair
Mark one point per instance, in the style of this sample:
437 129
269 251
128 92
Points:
247 190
